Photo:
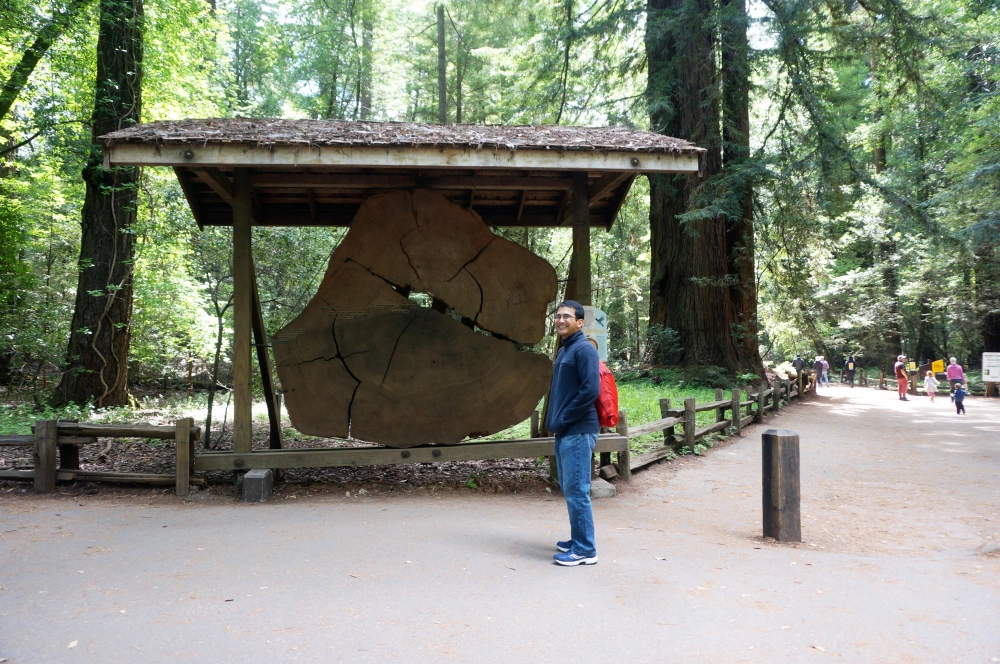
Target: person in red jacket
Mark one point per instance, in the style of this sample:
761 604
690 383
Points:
902 380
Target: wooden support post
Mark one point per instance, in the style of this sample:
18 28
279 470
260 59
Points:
46 435
775 396
689 423
668 433
720 413
264 364
581 237
242 307
759 417
913 385
735 410
185 458
881 380
534 424
801 383
780 461
624 457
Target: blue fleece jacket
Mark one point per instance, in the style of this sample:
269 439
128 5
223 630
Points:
576 384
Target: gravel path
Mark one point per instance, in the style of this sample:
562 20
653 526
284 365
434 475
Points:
901 561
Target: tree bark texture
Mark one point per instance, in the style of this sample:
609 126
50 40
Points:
97 358
693 286
364 360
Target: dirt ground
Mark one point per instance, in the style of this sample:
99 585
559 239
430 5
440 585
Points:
900 563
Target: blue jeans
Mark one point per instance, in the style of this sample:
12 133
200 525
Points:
825 378
574 454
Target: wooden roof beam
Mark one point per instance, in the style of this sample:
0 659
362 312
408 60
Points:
217 180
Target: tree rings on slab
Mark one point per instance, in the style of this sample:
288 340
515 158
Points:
364 359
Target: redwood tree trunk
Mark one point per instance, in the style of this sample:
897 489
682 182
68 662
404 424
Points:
97 358
691 284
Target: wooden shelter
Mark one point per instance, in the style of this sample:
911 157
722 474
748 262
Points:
247 172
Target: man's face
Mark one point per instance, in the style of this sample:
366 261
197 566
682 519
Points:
566 322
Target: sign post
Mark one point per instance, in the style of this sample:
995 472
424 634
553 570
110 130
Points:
991 371
595 326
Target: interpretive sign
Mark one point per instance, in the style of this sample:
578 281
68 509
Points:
991 367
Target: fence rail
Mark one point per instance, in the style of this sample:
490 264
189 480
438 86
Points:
741 412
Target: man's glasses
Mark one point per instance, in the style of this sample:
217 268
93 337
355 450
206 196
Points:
564 317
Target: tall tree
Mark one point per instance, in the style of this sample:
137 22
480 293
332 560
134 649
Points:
699 260
97 358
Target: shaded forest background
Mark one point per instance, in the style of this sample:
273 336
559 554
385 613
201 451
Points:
860 187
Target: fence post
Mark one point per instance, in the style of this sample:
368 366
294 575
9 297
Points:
46 437
800 384
759 417
625 457
780 479
182 447
668 433
735 410
689 421
720 413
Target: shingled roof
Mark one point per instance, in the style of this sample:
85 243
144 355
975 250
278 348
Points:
342 133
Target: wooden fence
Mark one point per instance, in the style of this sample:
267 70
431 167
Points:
56 454
742 412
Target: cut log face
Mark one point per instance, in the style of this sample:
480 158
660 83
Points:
364 360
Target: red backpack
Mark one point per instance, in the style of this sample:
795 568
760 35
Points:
607 400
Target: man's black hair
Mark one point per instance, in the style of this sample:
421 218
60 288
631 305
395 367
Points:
575 306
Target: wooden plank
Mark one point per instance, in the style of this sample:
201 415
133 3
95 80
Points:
724 404
711 428
15 441
90 431
605 184
780 479
665 412
642 460
581 239
746 421
373 456
734 411
193 155
651 427
218 182
625 455
344 180
46 433
689 423
151 479
264 364
242 307
185 456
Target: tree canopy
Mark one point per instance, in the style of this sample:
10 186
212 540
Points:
866 172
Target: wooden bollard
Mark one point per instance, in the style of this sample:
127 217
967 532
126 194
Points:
780 478
689 422
720 413
185 456
668 433
46 435
759 417
735 412
624 457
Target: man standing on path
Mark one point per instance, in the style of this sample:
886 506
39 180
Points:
850 366
954 373
901 378
572 419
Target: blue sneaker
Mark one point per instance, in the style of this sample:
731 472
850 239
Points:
564 546
570 559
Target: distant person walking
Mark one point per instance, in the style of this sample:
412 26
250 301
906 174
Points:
958 396
850 366
954 373
817 371
826 371
572 418
798 363
930 385
902 381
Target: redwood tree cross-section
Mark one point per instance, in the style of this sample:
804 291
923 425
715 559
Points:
363 359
